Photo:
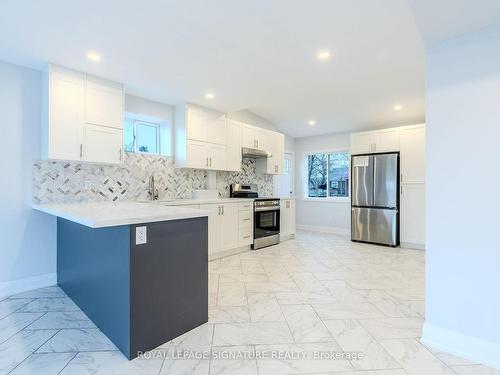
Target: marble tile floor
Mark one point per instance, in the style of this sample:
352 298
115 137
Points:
272 311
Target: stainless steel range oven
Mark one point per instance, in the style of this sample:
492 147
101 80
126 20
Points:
266 211
266 222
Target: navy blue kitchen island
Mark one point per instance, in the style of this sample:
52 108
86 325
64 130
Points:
139 295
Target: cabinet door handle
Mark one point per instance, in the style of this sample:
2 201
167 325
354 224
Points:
219 211
247 219
206 163
222 210
81 150
246 237
210 161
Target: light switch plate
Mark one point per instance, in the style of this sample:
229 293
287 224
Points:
140 235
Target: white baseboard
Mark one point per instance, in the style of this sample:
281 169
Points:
412 245
226 253
287 237
468 347
324 229
8 288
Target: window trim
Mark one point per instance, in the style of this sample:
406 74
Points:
305 181
135 120
136 137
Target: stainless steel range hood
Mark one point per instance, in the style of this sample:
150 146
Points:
254 153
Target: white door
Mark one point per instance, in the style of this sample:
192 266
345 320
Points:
386 140
103 103
217 156
233 147
361 143
412 144
66 114
197 155
413 214
103 144
229 226
284 183
213 227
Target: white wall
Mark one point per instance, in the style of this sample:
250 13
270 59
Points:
156 112
27 253
463 185
333 216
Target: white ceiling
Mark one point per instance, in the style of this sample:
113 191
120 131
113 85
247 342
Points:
258 55
443 19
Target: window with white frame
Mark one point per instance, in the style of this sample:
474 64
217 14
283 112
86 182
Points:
327 175
141 136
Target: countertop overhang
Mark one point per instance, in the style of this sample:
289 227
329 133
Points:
109 214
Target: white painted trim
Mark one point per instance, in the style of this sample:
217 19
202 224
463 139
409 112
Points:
412 245
287 237
324 229
327 199
8 288
226 253
456 343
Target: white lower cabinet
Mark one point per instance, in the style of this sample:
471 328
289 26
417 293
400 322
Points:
223 231
213 226
287 218
412 215
229 226
245 224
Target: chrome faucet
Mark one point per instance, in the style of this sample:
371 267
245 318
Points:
152 191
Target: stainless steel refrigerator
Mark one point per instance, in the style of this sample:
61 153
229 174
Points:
375 198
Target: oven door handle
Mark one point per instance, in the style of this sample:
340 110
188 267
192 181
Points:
261 209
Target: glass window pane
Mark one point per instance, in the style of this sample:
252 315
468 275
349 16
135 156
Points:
128 134
338 174
316 172
147 137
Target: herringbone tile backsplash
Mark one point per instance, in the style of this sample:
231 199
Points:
65 182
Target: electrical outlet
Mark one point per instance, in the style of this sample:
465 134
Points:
88 185
140 235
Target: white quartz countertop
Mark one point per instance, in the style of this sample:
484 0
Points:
107 214
180 202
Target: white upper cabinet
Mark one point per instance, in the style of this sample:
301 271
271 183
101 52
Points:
233 148
412 144
200 138
361 143
274 143
82 117
207 139
204 125
102 144
385 140
254 137
64 112
103 102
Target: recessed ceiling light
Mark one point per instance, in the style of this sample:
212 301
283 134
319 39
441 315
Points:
398 107
323 55
311 122
94 56
209 95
